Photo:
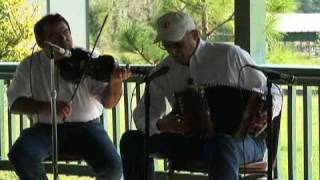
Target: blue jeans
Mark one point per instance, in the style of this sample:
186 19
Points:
223 153
88 140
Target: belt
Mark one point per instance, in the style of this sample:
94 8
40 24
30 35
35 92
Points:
95 120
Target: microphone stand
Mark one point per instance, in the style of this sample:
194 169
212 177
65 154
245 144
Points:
54 117
147 130
147 79
271 75
269 128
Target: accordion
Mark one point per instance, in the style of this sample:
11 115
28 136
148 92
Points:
219 109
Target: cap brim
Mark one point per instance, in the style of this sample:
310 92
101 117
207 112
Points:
169 36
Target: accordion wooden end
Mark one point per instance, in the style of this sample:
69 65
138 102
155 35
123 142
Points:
219 109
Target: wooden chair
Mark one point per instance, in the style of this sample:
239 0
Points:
64 157
248 171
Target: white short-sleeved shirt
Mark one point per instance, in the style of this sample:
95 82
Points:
211 64
32 80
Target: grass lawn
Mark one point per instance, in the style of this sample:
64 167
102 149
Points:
10 175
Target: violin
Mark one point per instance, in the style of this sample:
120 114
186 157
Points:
80 64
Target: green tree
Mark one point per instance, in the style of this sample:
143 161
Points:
273 8
274 37
132 24
137 37
121 13
97 12
17 18
212 16
281 6
125 17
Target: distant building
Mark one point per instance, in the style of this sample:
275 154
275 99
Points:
300 29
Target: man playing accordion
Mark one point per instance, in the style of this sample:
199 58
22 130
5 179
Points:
199 70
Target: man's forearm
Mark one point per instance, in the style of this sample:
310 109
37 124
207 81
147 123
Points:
29 106
112 94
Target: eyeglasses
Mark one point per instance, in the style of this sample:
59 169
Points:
170 45
174 45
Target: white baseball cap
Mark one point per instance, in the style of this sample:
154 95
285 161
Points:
173 26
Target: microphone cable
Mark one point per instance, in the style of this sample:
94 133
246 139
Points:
30 76
131 112
242 138
239 82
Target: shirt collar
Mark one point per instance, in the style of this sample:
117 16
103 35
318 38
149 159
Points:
200 45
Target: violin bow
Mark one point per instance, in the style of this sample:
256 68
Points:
90 58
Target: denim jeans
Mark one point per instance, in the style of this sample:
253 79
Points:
88 140
223 153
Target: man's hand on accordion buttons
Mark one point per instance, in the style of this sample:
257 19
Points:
259 122
172 122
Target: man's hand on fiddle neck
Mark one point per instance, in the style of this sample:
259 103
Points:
113 91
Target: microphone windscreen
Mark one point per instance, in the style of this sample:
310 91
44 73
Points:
72 68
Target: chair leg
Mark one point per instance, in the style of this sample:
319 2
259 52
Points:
257 177
170 174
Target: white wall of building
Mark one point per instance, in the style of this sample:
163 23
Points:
75 11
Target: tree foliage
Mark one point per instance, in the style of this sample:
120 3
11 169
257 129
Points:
97 12
138 38
17 18
275 7
281 6
120 13
131 26
212 16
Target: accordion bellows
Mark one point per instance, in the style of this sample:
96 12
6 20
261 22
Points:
218 109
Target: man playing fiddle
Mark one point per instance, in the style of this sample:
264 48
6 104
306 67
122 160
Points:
79 130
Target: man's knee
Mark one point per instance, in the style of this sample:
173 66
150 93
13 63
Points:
25 164
130 139
222 145
14 155
18 155
110 171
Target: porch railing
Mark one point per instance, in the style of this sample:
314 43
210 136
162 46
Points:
298 155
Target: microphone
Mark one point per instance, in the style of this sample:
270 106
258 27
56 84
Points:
163 70
64 52
274 75
136 70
